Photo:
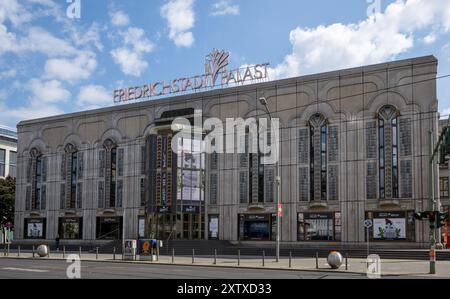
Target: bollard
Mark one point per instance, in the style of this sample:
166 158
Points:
193 254
290 259
239 257
64 251
317 260
18 251
4 249
263 258
96 253
79 249
215 257
8 249
346 261
48 254
114 253
173 255
33 251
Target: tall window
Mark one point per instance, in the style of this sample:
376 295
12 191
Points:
38 183
443 187
2 162
388 152
113 182
318 157
13 164
71 172
73 180
111 169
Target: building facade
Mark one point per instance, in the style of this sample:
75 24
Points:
8 153
353 146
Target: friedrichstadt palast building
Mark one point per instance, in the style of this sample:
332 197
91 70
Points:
354 145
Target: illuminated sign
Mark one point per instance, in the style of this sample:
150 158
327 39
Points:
216 75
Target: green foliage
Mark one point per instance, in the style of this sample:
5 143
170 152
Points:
7 198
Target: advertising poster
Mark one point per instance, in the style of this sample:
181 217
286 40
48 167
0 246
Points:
35 230
214 227
389 228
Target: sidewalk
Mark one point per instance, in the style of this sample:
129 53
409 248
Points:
388 267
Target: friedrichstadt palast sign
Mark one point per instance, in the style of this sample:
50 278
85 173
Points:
216 75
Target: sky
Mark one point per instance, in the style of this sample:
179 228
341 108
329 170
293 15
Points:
56 58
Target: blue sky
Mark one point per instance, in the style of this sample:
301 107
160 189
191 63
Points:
52 64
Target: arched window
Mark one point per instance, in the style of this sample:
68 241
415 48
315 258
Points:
318 157
110 190
36 193
388 152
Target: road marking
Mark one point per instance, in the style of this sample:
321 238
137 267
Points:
25 270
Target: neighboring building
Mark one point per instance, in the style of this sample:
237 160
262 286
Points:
8 152
354 145
444 174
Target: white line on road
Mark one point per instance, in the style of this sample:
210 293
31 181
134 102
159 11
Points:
25 270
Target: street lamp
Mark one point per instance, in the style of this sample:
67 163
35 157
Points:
263 102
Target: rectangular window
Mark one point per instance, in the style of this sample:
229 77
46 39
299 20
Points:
319 227
142 192
213 188
443 187
13 164
2 162
73 181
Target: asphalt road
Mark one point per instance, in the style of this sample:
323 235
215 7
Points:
56 269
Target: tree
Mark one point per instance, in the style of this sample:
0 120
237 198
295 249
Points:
7 198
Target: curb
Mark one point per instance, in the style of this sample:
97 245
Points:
193 265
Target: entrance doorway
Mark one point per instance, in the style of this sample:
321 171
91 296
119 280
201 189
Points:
181 226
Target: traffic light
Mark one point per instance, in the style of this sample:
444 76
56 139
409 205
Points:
442 217
421 215
432 219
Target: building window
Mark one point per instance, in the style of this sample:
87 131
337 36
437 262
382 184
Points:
388 152
73 180
2 162
443 187
73 168
12 164
111 167
113 180
38 183
318 157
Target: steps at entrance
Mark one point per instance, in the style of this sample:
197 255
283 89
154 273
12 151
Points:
201 247
206 248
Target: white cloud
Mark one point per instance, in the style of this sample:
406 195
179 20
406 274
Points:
48 91
33 111
180 18
224 7
12 11
130 62
94 96
130 56
40 40
8 74
79 68
347 45
119 18
91 36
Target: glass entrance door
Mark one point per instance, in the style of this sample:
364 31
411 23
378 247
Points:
192 227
